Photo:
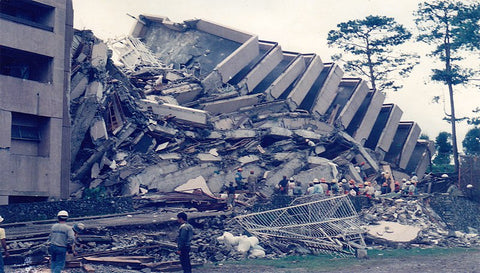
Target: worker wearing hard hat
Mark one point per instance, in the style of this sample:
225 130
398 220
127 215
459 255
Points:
4 245
61 239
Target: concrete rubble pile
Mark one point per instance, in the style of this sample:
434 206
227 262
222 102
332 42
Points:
166 114
410 222
126 141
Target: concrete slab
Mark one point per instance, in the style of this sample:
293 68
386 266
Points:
353 104
98 130
409 145
248 159
367 115
241 133
231 105
302 87
279 132
328 91
99 56
307 134
191 115
207 157
264 67
283 76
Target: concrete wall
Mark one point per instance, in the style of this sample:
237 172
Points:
328 91
293 71
223 31
302 87
374 107
26 174
262 69
353 104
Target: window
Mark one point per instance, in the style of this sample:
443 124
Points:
28 13
25 65
29 135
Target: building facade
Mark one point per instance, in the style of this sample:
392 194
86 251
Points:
34 83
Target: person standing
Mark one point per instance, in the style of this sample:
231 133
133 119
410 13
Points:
283 185
239 179
4 245
61 239
231 196
185 234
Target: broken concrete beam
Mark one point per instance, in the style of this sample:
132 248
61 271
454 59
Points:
170 156
307 134
302 87
320 149
79 84
97 156
361 149
190 115
328 91
214 135
98 130
264 67
99 56
173 76
160 130
353 104
279 132
183 93
82 122
241 133
248 159
231 105
95 89
207 157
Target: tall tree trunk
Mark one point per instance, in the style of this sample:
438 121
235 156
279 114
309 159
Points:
453 120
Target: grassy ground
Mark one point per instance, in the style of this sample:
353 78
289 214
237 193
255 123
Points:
327 263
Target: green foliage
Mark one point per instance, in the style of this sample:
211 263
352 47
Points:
424 136
368 45
444 147
94 193
474 120
447 25
471 142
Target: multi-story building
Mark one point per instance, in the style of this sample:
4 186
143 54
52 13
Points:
34 82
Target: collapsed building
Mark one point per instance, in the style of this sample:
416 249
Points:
198 99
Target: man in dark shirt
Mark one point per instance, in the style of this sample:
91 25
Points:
185 234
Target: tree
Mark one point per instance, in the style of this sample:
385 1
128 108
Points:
368 50
444 149
440 24
471 142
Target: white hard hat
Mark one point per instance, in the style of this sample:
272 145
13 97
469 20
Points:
468 186
1 219
79 227
444 175
62 213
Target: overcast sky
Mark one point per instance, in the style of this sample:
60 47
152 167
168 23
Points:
297 25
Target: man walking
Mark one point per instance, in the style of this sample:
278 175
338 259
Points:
61 239
4 245
185 234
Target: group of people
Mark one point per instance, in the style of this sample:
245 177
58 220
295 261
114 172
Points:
383 185
248 184
63 240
